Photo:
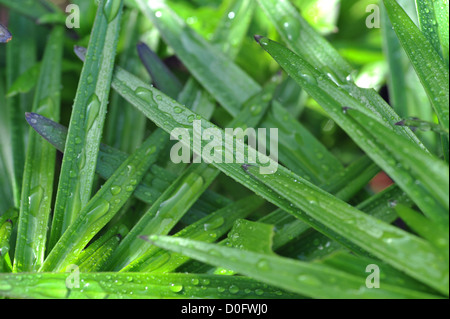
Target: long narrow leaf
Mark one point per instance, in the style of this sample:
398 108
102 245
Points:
20 55
88 114
37 186
134 286
314 280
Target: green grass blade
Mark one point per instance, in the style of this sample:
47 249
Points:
302 38
396 79
313 245
97 258
255 108
292 97
104 205
252 236
313 280
388 275
424 126
307 244
406 94
332 98
20 56
288 228
208 229
88 114
135 286
427 15
432 71
435 233
5 234
37 188
124 127
248 235
92 257
26 81
203 60
199 100
233 27
352 179
6 165
442 18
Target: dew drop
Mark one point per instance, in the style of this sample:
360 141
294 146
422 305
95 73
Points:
214 224
35 198
4 286
255 109
115 190
311 200
263 265
191 118
144 94
308 77
234 289
72 174
309 280
195 281
111 9
259 292
99 209
92 111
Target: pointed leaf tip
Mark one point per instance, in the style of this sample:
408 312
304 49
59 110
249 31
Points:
258 37
143 237
80 52
345 109
31 117
245 167
5 35
141 45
